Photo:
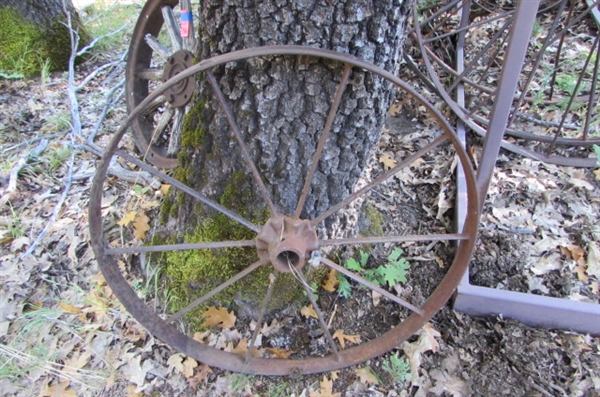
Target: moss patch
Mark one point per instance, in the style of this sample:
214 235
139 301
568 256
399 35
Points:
24 47
373 221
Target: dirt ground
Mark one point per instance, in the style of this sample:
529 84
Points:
63 333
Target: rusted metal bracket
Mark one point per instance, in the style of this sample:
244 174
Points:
533 310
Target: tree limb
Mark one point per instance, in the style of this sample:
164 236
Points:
11 190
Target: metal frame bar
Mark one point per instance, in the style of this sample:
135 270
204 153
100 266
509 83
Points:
533 310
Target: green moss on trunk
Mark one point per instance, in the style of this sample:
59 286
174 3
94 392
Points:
25 47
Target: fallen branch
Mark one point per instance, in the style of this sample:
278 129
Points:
11 189
108 104
75 131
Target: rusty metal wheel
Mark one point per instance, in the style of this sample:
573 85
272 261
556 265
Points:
162 45
555 114
285 243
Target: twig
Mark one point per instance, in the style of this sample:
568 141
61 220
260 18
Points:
11 189
95 73
109 103
91 45
29 142
75 131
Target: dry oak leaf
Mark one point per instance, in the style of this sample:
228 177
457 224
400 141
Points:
387 161
141 225
331 282
188 367
308 311
69 308
218 317
164 188
325 389
200 376
58 390
342 338
593 260
128 218
366 376
395 109
276 352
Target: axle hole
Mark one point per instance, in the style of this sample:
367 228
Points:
288 258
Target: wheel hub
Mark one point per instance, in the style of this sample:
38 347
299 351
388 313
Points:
179 94
286 243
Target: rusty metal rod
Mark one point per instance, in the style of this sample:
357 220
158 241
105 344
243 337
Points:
321 319
213 292
393 239
385 176
179 247
324 135
243 147
261 316
371 286
188 190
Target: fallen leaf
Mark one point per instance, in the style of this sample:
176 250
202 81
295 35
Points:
141 225
581 276
395 109
150 205
176 361
200 376
128 218
387 161
413 351
331 281
218 317
308 311
69 308
597 173
580 183
276 352
325 389
58 390
188 367
593 260
366 376
572 251
165 189
341 336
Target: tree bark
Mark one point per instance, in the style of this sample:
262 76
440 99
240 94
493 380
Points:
33 31
281 104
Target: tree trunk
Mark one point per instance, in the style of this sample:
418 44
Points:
281 113
280 105
33 32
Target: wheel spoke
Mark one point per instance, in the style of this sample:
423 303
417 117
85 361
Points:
213 292
151 74
261 314
176 132
189 40
238 136
154 105
317 156
157 47
161 126
320 317
172 28
179 247
384 177
371 286
394 239
186 189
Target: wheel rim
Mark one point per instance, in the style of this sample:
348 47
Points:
169 334
550 124
154 58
